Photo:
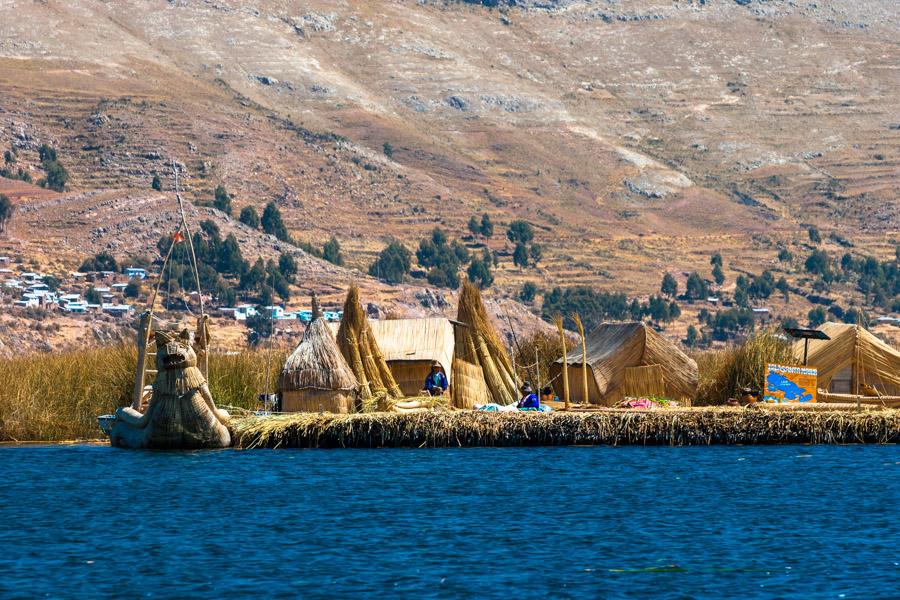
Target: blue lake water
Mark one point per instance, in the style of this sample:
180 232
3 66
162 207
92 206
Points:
718 522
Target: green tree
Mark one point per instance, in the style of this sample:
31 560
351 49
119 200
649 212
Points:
46 153
487 226
816 316
718 275
814 236
260 326
156 183
287 266
331 251
52 282
520 255
669 286
9 157
782 286
273 224
535 253
222 200
57 176
229 256
133 289
693 336
102 261
254 277
528 293
249 217
480 274
6 211
92 296
696 287
393 263
520 232
388 149
443 276
784 255
474 226
716 260
818 262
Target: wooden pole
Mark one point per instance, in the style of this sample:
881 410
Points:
565 362
584 373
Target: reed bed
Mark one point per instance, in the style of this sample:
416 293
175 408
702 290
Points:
58 396
671 427
724 372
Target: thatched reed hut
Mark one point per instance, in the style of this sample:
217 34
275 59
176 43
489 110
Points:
482 369
362 353
852 362
315 376
410 346
628 359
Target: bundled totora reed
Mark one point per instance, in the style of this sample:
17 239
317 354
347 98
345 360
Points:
478 348
676 427
360 350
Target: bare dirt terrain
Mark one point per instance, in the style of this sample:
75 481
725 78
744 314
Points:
637 137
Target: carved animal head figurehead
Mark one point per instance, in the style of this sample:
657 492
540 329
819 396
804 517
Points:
174 351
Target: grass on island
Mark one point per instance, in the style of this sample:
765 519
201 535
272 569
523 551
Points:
58 396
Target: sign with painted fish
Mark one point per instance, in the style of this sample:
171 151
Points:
790 384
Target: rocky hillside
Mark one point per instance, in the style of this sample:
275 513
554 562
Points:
637 137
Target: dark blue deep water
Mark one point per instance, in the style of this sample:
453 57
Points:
720 522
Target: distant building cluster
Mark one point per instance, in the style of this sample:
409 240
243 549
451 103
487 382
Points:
109 287
35 292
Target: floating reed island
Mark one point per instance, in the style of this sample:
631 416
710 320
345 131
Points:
613 427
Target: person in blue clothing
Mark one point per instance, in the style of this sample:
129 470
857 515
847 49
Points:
436 383
529 400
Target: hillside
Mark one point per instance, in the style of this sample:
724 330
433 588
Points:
637 137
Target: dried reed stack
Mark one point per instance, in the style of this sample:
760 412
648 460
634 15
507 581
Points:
359 348
584 371
565 361
478 347
676 427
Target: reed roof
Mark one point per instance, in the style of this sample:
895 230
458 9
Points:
428 339
875 362
317 363
612 347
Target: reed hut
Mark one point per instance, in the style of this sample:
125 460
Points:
482 369
627 359
361 351
316 377
853 362
410 346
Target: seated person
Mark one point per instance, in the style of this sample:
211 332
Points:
547 394
436 383
528 400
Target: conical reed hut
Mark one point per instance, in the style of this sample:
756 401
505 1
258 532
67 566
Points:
315 377
360 349
482 369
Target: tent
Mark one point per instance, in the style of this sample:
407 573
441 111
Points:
851 360
628 359
410 346
315 376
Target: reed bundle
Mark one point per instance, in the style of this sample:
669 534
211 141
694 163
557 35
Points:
360 349
676 427
478 347
724 372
